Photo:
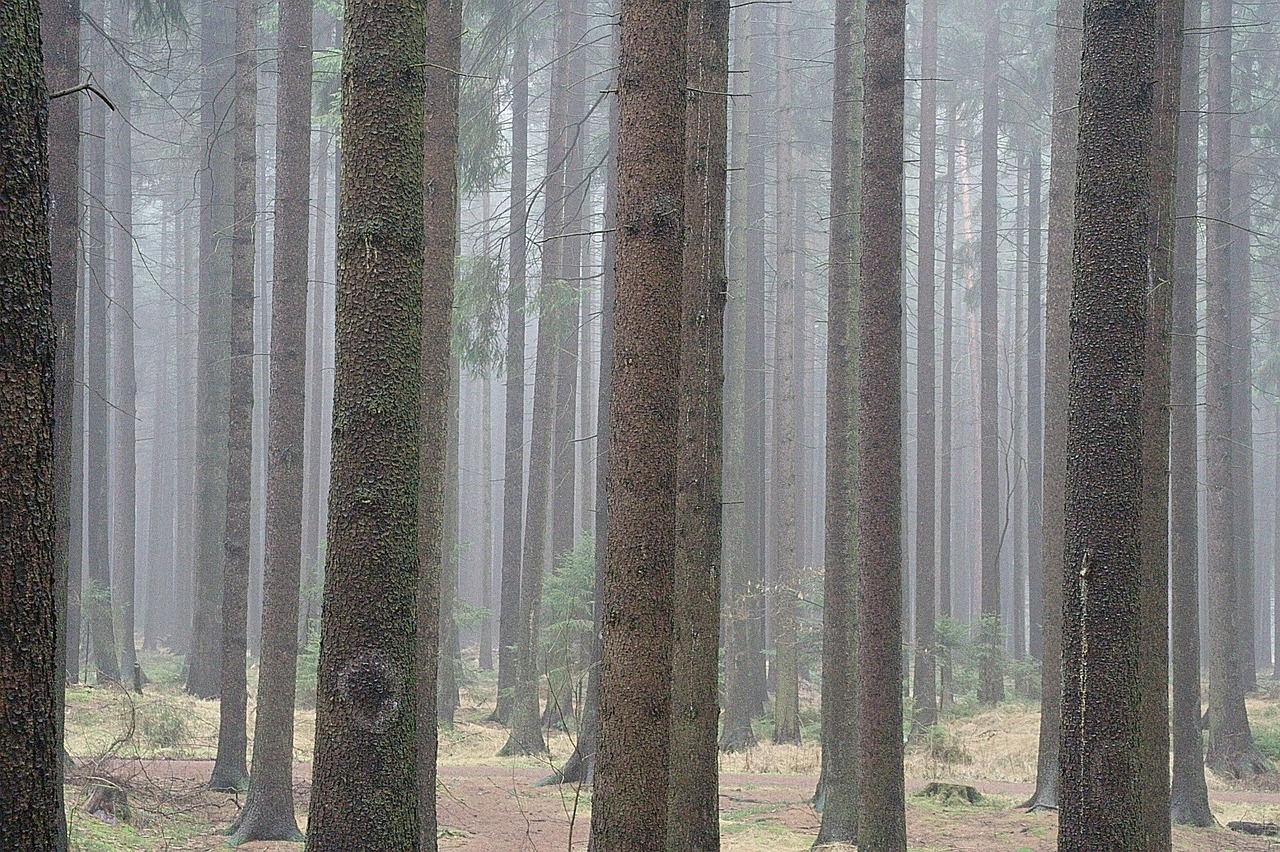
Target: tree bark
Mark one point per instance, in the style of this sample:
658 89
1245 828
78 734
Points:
30 751
629 807
1035 414
882 821
365 792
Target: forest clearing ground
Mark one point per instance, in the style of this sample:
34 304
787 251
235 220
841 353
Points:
160 746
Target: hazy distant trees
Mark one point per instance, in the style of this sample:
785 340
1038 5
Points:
29 728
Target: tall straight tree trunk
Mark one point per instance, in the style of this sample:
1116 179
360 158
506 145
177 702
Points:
945 573
99 611
991 670
1231 750
1189 796
486 526
124 383
882 821
60 33
693 799
371 677
1016 514
837 794
925 692
629 807
736 733
1062 185
439 398
1035 414
30 751
1108 527
229 767
268 811
213 390
513 428
448 653
786 711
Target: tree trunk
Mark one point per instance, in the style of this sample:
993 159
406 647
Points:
1062 183
629 807
837 794
229 767
882 821
925 692
29 736
736 734
371 678
268 811
447 697
486 526
693 800
1111 396
991 669
513 431
944 456
1035 416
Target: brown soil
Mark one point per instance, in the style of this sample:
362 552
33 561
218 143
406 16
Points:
497 809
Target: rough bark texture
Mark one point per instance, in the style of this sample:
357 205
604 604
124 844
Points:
693 799
736 733
1231 751
1062 185
1102 793
365 778
229 767
991 670
213 367
837 794
925 691
268 812
1189 797
29 730
439 401
882 822
513 452
629 807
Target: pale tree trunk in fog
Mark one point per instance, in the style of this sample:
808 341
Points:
268 812
229 768
786 711
925 691
486 525
1035 415
437 464
882 821
1062 181
204 658
447 698
945 573
630 799
369 643
124 385
97 600
1189 797
1111 397
513 428
837 794
991 670
1231 751
693 803
736 733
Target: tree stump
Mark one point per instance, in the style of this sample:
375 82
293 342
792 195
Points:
946 793
108 803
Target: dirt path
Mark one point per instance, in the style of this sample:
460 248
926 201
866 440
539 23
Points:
497 809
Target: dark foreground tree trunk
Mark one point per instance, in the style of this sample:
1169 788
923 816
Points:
693 804
837 794
268 812
882 820
629 808
1102 712
29 746
365 778
229 771
1062 187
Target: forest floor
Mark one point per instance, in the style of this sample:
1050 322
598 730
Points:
159 748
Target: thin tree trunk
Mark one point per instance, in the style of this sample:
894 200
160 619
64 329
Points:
1035 415
945 573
